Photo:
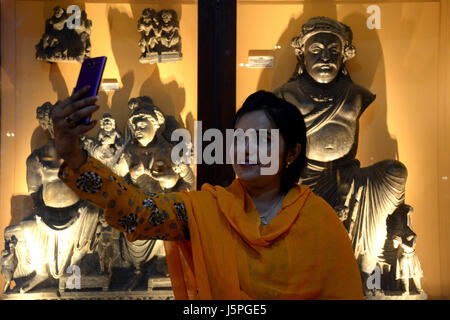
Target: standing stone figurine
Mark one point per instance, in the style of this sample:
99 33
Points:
160 36
107 240
9 262
407 265
331 104
63 43
148 26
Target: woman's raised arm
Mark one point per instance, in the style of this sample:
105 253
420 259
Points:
140 215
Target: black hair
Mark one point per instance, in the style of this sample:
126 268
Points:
291 125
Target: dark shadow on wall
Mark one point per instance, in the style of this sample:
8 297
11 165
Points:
375 142
40 137
366 68
169 97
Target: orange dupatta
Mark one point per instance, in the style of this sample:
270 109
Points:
230 256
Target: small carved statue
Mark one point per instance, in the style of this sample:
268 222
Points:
331 104
61 43
107 245
404 240
107 145
9 262
160 36
170 32
148 26
108 134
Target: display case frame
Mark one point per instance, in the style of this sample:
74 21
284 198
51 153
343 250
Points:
217 97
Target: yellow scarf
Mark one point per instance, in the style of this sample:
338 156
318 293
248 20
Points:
303 253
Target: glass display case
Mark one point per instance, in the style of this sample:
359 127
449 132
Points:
371 79
402 58
151 71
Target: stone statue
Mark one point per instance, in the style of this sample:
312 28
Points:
108 144
61 43
146 158
106 244
331 104
9 262
406 263
160 36
61 230
170 35
147 164
148 26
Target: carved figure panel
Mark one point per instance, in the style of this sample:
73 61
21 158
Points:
160 36
64 41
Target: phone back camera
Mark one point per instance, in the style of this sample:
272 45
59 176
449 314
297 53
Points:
91 64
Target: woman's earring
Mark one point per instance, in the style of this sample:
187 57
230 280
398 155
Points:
287 165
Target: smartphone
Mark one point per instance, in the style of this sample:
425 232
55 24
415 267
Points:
90 74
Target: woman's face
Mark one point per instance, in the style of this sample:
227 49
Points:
144 132
251 173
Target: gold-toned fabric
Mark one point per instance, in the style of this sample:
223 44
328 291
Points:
221 250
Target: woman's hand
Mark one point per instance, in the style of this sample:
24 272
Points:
65 116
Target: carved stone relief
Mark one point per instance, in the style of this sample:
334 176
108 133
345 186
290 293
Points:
62 42
160 36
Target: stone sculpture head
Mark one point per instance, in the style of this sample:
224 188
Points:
58 12
148 14
107 122
144 120
169 17
323 47
43 115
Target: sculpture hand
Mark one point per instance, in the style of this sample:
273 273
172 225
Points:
181 169
342 212
65 116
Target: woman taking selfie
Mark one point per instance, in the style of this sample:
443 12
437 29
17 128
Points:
263 237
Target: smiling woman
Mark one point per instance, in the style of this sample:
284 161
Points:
302 249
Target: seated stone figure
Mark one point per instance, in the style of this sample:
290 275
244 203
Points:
146 163
61 230
108 144
170 31
331 105
148 28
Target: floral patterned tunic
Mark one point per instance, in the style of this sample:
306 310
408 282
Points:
140 215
